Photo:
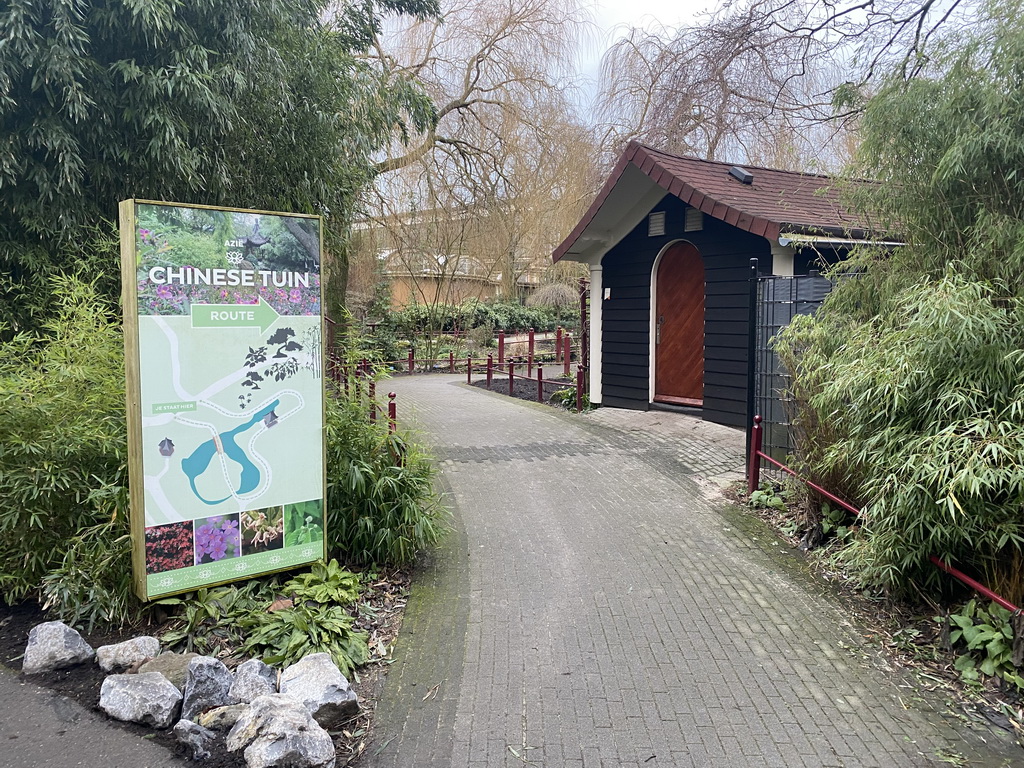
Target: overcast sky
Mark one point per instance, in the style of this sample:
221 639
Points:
613 16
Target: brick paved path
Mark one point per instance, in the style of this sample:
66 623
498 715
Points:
597 607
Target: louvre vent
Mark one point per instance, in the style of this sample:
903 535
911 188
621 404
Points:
694 220
656 224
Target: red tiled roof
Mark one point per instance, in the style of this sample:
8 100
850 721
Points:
776 202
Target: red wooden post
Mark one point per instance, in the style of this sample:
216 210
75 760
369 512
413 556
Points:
529 354
392 413
579 390
373 401
501 347
511 377
540 383
567 354
469 369
411 361
754 468
558 344
366 366
451 362
490 370
344 377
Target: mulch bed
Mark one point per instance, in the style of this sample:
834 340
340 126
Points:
381 618
525 389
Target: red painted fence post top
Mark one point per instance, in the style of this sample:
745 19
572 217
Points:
757 420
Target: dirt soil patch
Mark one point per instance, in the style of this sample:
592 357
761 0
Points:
382 606
525 389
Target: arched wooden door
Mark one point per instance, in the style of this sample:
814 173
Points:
679 327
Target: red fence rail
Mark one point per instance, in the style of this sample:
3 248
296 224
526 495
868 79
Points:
754 480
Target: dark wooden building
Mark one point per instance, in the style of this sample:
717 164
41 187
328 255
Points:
669 241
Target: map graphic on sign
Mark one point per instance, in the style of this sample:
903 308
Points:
229 425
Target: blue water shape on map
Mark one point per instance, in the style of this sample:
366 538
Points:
199 461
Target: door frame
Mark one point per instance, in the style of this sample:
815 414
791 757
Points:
652 327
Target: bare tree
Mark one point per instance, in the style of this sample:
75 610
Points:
768 81
485 63
507 151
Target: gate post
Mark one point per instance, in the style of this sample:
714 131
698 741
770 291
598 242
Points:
567 354
501 347
529 354
511 378
558 344
490 370
469 369
392 413
411 361
540 383
751 348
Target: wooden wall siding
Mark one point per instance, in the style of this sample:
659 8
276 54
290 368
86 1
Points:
626 328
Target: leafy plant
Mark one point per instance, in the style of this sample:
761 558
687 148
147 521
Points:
567 398
987 635
769 496
285 636
325 583
835 520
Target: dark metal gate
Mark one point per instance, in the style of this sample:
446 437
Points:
776 301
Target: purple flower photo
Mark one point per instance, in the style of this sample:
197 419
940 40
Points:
217 538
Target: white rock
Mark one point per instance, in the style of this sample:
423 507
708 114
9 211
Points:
120 656
54 645
147 698
253 679
317 682
277 731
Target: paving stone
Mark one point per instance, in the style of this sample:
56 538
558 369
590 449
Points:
599 601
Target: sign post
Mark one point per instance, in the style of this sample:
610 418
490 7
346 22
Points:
225 387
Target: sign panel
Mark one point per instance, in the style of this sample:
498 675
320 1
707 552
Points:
224 367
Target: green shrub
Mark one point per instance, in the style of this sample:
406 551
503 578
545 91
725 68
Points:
926 428
62 460
381 506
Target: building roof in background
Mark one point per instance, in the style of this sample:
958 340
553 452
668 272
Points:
774 204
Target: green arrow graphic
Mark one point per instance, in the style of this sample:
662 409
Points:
260 315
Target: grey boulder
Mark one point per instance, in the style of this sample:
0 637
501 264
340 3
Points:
317 682
194 738
54 645
253 679
147 698
121 656
277 731
206 686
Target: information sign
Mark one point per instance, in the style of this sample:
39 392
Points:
224 368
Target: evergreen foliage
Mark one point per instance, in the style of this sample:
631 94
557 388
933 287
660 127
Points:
244 103
909 377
